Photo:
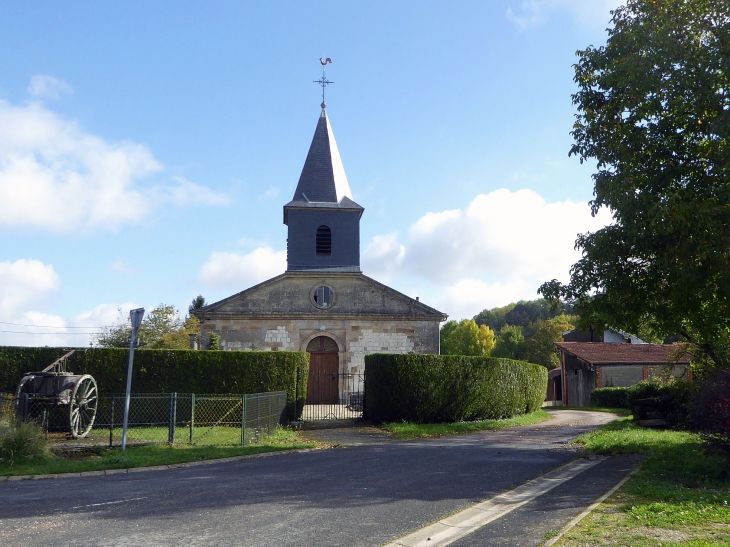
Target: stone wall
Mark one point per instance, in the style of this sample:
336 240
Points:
356 337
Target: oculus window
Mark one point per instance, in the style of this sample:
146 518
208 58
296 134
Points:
324 241
323 297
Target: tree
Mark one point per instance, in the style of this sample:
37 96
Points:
540 348
510 342
466 338
654 112
162 328
197 303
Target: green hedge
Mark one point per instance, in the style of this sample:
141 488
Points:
167 371
450 388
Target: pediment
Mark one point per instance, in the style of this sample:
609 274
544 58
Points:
295 293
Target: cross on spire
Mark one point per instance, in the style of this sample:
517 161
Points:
323 81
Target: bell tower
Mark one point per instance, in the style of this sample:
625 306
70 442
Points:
323 219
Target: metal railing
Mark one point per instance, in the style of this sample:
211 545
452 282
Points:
172 418
334 396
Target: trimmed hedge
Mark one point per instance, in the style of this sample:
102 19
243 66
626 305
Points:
167 371
450 388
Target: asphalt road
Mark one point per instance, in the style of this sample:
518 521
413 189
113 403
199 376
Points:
362 495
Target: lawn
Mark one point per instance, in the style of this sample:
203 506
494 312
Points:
100 458
680 497
408 430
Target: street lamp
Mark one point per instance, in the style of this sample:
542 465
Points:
135 317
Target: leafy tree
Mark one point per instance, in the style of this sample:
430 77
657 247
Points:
197 303
654 112
215 341
466 338
495 318
446 329
540 348
162 328
510 342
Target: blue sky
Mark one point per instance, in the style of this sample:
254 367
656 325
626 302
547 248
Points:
147 148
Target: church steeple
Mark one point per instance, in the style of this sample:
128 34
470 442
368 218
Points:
323 219
323 177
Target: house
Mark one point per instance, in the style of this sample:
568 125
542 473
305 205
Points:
589 365
323 303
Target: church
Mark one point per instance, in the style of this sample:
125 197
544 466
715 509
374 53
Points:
323 303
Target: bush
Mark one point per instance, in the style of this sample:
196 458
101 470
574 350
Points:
450 388
711 412
610 397
166 371
21 442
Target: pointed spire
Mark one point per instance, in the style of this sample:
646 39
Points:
323 177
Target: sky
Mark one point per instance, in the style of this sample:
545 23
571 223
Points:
147 149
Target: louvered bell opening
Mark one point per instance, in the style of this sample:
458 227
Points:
324 240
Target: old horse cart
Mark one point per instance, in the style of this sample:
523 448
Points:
54 390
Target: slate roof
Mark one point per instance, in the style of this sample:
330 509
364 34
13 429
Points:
323 177
599 353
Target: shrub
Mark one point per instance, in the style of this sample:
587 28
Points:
450 388
21 442
711 412
610 397
166 371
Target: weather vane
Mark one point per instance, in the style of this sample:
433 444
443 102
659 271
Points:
323 81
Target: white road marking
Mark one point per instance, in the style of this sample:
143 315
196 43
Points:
108 503
463 523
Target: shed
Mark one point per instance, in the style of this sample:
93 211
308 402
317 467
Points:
589 365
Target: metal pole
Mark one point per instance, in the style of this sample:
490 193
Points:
136 318
173 419
192 416
111 425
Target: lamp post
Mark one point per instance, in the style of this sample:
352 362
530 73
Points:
136 317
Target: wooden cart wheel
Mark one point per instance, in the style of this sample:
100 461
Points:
82 409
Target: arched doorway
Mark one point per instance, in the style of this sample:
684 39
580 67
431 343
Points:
324 368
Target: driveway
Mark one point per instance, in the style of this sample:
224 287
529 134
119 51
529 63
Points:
365 494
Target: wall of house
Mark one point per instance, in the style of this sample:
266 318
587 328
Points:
355 337
622 375
579 381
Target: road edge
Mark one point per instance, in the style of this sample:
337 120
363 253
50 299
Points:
126 470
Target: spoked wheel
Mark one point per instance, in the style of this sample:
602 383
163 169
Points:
82 409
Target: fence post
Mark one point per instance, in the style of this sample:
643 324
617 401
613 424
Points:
192 416
24 408
243 419
173 418
111 425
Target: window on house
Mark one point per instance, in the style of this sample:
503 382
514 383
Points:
324 240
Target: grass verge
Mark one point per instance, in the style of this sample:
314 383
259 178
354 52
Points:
680 497
98 459
408 430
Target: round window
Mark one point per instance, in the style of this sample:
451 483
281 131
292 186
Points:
323 297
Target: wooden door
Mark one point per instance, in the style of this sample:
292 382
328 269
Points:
324 368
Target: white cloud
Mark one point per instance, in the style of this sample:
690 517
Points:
238 272
25 283
56 176
588 13
185 192
498 249
26 286
43 86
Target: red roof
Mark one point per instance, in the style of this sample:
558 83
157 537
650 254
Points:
600 353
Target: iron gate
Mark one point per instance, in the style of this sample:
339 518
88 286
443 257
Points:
334 396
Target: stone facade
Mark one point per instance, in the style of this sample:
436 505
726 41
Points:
364 317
